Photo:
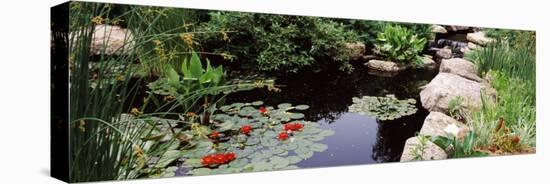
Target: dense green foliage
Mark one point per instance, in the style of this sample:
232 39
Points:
399 44
515 60
509 124
280 43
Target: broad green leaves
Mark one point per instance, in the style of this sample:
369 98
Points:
398 44
383 108
261 150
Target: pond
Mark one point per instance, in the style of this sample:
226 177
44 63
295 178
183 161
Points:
358 139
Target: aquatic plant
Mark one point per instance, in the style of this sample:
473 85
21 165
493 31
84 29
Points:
259 138
383 108
398 44
185 87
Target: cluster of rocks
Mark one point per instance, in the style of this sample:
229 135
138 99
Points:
446 48
457 78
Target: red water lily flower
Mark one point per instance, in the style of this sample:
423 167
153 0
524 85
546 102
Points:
263 110
214 135
245 129
220 158
293 127
283 136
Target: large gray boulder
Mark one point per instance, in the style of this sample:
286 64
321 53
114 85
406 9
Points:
436 122
435 96
355 50
113 40
479 38
461 67
438 29
385 66
415 150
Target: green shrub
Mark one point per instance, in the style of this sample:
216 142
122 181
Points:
279 43
399 44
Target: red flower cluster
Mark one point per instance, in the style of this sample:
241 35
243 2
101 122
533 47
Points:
214 135
283 136
293 127
220 158
263 110
245 129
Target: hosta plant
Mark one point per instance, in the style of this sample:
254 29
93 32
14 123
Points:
398 44
383 108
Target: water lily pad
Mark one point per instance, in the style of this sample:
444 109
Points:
302 107
257 103
303 152
293 159
383 108
238 163
201 171
279 162
167 158
284 106
227 125
296 115
318 147
193 162
262 166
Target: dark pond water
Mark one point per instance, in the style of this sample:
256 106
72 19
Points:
358 139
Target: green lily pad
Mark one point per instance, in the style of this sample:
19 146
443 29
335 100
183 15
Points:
167 158
383 108
317 147
302 107
284 106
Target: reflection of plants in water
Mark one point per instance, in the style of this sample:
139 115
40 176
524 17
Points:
383 108
245 137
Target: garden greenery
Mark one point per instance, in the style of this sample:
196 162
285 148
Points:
399 44
507 125
280 43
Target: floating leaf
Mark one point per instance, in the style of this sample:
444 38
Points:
293 159
262 166
318 147
279 162
257 103
302 107
284 106
227 125
238 163
296 115
326 133
194 162
201 171
383 108
167 158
